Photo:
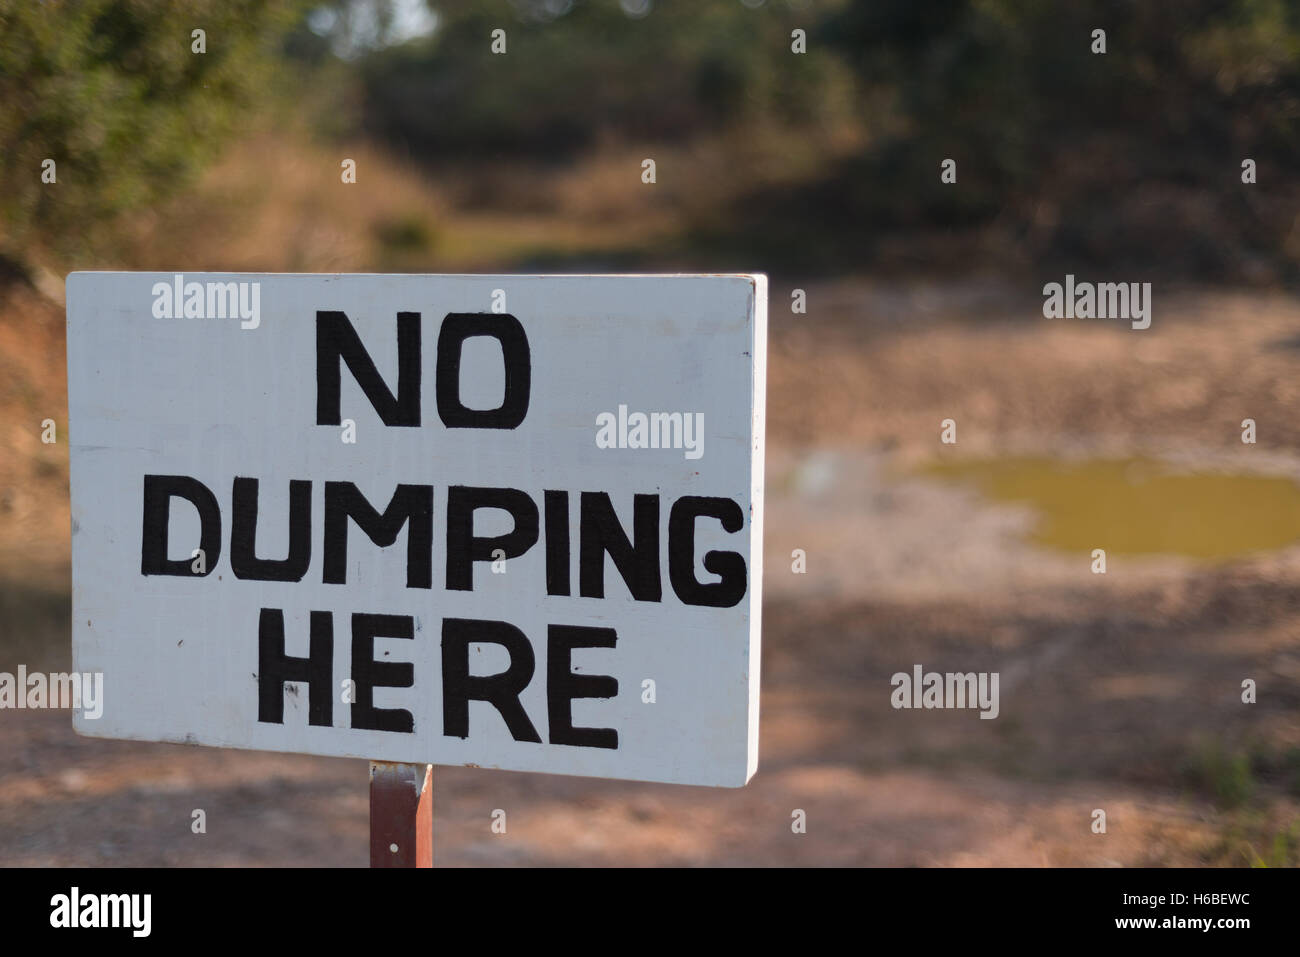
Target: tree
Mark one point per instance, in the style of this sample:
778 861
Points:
116 94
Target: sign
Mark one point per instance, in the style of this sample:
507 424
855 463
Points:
497 521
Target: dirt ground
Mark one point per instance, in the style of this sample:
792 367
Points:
1119 692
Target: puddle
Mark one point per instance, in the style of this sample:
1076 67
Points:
1140 506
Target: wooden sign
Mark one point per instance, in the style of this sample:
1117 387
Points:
501 521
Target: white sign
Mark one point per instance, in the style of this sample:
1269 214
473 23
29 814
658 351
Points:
499 521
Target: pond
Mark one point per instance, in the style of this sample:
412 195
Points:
1140 506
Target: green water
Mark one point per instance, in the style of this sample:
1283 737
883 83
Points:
1139 506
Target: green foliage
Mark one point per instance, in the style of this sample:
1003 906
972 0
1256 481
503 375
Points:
1055 140
1282 851
574 74
1129 156
1224 774
1132 156
112 92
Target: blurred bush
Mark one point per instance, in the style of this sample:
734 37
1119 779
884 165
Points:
1132 157
1125 156
576 72
112 91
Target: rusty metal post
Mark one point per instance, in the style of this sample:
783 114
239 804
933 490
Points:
401 815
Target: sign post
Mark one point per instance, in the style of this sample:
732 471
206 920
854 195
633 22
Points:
401 815
499 521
